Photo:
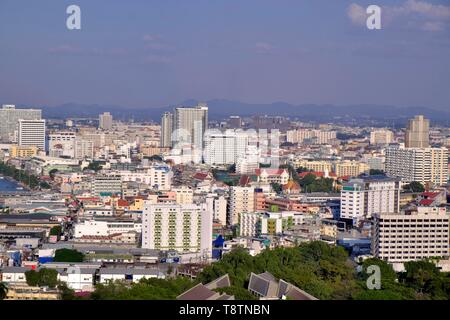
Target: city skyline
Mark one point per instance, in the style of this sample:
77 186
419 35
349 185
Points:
262 52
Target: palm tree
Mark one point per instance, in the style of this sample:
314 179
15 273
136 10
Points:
3 290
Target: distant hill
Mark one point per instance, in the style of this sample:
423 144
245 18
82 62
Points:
219 109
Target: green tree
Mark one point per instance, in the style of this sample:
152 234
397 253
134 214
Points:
68 255
42 278
414 187
56 231
3 290
276 187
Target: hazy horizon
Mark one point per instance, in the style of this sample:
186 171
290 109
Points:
154 54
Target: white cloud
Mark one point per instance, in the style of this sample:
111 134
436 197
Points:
420 14
357 14
263 47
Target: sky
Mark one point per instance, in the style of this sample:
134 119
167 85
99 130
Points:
154 53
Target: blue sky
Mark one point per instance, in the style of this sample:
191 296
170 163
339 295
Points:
148 53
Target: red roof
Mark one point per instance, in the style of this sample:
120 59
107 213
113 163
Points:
429 194
200 176
244 180
426 202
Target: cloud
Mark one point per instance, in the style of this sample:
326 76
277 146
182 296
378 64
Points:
151 37
357 14
420 15
66 49
156 59
263 47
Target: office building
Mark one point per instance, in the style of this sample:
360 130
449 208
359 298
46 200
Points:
400 237
423 165
31 133
105 121
308 136
381 137
9 120
61 144
22 152
418 133
190 125
361 198
225 148
166 130
184 228
107 185
241 201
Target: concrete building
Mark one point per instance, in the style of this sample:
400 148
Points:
418 164
350 168
9 120
398 238
184 228
105 121
381 137
361 198
61 144
31 133
225 148
308 136
241 201
418 133
190 125
23 152
184 194
166 130
83 149
107 185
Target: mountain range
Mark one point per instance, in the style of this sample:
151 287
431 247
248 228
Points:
220 109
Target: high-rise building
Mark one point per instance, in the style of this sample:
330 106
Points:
9 120
235 122
31 133
400 237
166 130
423 165
241 201
184 228
190 124
309 136
105 121
83 149
361 198
61 144
222 148
381 136
418 133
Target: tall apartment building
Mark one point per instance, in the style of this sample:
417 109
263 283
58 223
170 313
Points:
241 200
83 149
61 144
184 228
218 204
381 137
361 198
417 164
9 120
310 136
224 148
105 121
400 237
31 133
106 185
166 130
190 124
418 133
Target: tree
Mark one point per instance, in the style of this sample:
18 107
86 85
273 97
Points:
276 187
68 255
95 166
56 231
42 278
52 173
3 290
414 186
